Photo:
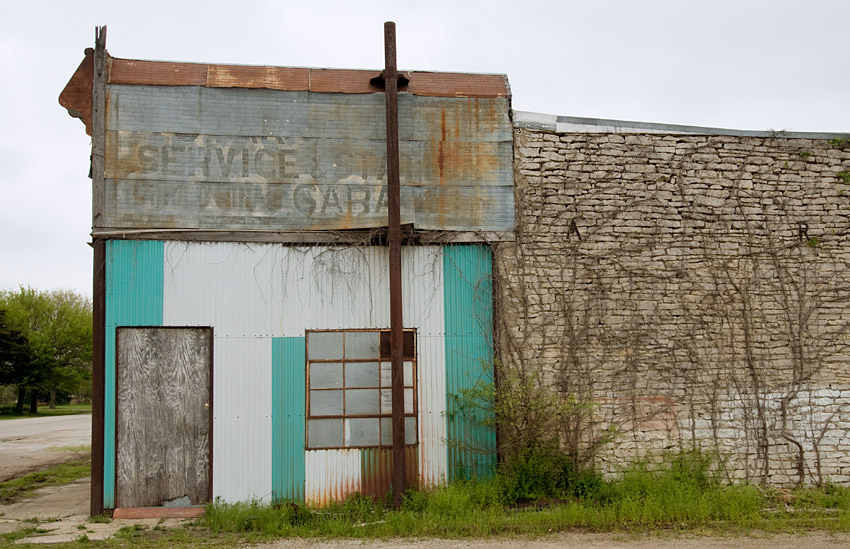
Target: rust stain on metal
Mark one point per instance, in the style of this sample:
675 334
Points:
463 162
169 73
376 473
77 94
443 84
457 159
343 81
332 475
156 73
440 147
241 76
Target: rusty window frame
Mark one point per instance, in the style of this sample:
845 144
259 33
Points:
410 355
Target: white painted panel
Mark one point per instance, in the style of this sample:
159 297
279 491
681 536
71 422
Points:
424 308
234 287
334 287
332 475
242 418
433 453
338 288
251 292
422 288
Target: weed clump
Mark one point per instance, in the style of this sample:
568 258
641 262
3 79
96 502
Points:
543 492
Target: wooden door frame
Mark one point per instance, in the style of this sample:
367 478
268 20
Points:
210 397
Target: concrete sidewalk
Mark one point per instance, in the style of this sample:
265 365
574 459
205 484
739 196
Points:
64 512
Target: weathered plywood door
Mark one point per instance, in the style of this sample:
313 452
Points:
164 406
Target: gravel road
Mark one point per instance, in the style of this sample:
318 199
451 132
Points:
591 541
32 444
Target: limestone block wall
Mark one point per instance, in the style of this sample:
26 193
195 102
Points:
686 291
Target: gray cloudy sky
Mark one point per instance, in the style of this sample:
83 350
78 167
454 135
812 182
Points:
739 64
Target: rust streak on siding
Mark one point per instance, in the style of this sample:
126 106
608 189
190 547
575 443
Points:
376 473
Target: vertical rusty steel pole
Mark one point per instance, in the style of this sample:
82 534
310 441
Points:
99 272
394 220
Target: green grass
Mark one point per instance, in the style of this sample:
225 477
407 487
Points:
684 497
17 488
70 449
452 512
8 412
21 533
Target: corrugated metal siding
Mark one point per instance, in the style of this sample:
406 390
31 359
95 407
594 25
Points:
423 308
332 475
193 158
288 386
468 296
134 290
236 288
376 469
432 410
242 430
334 288
253 294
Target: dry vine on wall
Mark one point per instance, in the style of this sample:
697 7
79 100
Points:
671 292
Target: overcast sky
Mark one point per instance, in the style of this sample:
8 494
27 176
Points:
736 64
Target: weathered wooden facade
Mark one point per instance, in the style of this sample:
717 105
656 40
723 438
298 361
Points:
241 288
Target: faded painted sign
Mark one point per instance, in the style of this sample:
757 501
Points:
302 164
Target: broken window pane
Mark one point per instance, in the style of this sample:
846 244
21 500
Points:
408 345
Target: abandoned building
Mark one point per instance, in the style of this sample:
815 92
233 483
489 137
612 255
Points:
682 287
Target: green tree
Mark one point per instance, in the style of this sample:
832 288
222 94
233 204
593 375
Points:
15 357
57 326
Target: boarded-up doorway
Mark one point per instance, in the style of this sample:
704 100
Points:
163 416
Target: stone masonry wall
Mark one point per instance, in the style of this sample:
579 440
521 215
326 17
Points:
686 291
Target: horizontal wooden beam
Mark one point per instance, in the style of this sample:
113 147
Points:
304 237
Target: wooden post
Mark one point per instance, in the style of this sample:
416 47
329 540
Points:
394 221
99 271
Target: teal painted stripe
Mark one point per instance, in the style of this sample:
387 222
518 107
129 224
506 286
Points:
468 307
134 285
288 408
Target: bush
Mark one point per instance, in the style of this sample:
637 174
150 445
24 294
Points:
548 474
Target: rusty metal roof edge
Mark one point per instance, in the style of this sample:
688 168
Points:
261 66
76 96
410 74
